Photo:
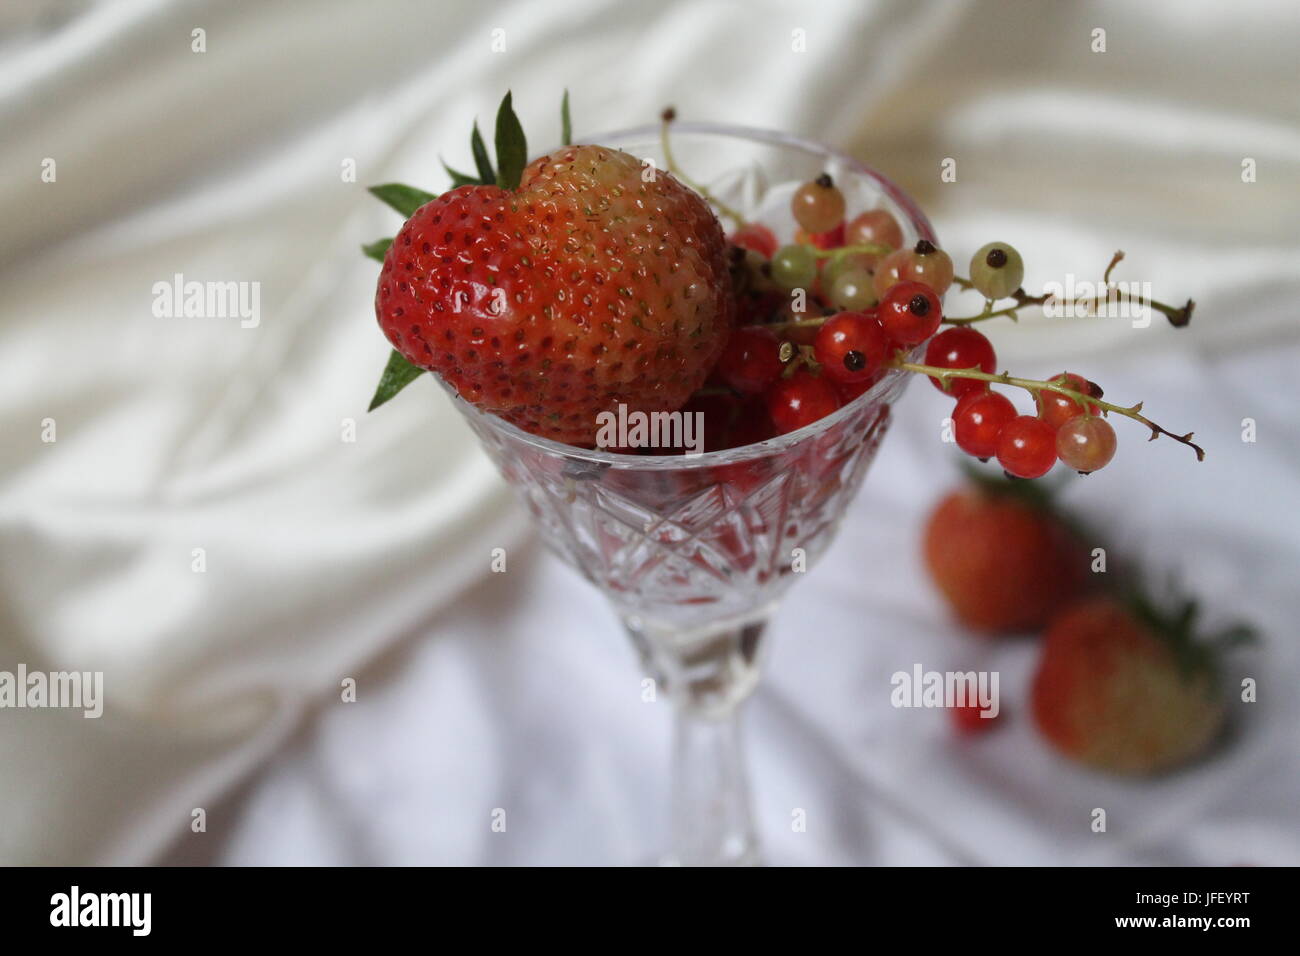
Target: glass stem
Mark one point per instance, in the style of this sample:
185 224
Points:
707 673
712 823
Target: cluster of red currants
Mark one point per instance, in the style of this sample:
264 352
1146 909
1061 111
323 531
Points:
870 297
868 302
986 423
846 357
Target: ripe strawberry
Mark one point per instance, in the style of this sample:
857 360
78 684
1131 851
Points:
1004 562
1122 689
585 288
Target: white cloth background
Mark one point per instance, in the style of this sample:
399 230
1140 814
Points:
328 559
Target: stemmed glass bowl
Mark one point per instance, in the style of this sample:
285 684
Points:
695 552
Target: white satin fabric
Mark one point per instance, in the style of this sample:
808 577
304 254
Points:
327 559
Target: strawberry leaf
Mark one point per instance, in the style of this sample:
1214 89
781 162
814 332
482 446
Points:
1176 625
512 147
459 178
398 374
376 249
405 199
486 173
566 124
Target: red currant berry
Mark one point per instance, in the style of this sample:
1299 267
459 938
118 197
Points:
751 360
969 718
923 263
1055 408
910 313
875 226
969 397
800 400
818 206
1027 447
830 239
850 347
960 347
851 390
978 419
756 237
1086 443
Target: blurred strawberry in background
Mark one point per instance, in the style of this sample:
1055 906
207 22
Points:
1002 557
1122 684
1124 687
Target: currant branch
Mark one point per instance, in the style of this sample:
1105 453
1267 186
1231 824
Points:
813 323
1022 301
864 248
1114 261
1034 386
1177 316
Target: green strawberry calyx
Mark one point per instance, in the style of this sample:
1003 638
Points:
1176 624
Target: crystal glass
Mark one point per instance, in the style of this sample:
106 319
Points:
695 552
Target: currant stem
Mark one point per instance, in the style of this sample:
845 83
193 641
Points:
666 120
865 248
814 323
1115 260
1023 300
1177 316
1034 386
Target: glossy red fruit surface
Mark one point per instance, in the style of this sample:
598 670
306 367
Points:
924 263
874 227
818 205
961 347
851 390
1086 443
850 347
751 360
800 400
1027 447
587 288
910 313
1057 409
978 419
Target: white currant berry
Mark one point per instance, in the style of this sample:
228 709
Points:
996 270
